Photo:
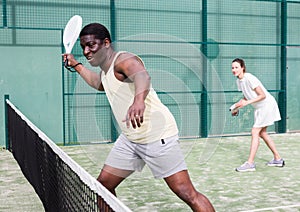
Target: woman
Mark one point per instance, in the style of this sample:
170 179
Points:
265 114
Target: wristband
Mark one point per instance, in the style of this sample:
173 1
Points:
76 65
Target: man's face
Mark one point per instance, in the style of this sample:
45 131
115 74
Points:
90 46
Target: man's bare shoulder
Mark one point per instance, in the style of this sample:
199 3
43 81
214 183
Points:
126 56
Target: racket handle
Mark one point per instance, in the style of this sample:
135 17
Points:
66 62
68 67
232 107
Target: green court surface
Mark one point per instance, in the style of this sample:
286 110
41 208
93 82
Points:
211 164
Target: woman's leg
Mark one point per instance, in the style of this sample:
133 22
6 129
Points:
270 143
255 132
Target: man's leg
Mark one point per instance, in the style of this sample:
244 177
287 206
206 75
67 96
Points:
111 177
180 183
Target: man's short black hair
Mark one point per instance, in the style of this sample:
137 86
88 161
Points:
99 30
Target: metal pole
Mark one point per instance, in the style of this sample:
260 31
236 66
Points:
7 146
4 11
114 132
204 98
282 95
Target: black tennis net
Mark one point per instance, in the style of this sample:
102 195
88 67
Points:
60 183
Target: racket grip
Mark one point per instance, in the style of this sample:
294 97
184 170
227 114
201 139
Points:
66 63
232 107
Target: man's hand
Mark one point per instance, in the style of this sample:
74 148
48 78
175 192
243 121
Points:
235 112
70 58
135 114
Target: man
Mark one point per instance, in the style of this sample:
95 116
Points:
149 131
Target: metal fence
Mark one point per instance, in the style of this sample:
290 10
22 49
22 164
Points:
187 47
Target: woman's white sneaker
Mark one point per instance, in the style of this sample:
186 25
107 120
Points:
277 163
246 167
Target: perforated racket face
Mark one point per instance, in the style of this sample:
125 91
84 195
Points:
71 32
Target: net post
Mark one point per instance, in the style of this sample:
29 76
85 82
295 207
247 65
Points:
6 96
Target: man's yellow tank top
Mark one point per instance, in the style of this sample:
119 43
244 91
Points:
158 123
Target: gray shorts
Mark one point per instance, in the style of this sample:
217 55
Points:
163 157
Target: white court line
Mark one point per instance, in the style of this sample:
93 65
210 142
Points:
274 208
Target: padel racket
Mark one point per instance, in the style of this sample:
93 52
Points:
71 33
